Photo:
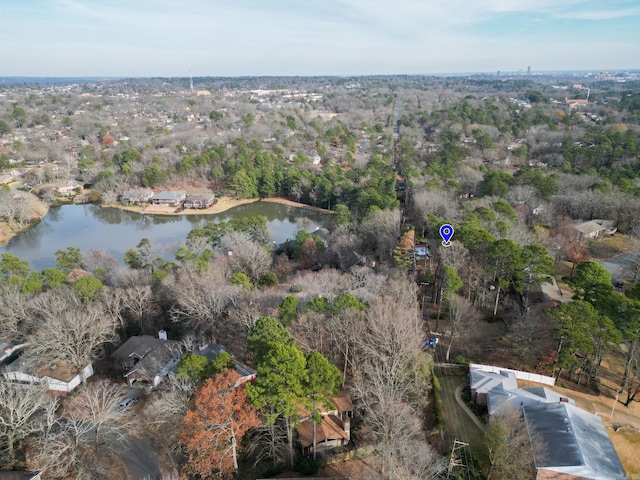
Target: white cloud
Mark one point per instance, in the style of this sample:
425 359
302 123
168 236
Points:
602 14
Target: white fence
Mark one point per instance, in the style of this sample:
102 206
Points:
51 383
532 377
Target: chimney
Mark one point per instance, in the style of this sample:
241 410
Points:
162 334
346 426
564 400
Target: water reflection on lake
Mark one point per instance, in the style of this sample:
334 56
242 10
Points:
90 227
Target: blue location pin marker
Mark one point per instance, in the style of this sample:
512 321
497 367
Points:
446 232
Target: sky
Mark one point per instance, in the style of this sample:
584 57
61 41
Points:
175 38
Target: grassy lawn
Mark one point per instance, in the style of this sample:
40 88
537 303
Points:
458 425
563 269
608 247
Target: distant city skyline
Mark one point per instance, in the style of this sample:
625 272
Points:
173 38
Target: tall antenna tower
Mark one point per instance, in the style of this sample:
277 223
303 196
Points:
190 82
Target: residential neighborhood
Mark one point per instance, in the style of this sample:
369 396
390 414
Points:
358 277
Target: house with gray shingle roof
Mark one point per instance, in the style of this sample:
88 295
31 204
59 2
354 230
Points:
147 359
578 446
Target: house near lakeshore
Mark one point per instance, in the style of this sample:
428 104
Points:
169 197
577 444
200 200
147 359
66 188
136 197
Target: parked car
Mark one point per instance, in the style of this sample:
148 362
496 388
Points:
127 402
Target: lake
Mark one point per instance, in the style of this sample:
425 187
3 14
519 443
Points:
91 227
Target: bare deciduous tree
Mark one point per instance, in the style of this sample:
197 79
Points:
15 317
391 374
98 407
174 397
380 231
327 283
252 305
269 442
24 410
54 454
68 331
139 303
99 259
462 315
200 298
15 210
248 257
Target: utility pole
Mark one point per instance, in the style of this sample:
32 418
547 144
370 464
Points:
455 460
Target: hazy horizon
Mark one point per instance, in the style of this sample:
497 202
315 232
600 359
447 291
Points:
520 73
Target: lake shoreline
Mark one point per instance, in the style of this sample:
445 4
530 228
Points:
41 209
223 204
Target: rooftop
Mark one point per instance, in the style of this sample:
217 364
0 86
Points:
576 442
212 351
169 195
330 427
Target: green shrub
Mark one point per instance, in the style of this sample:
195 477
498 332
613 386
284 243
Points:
269 279
308 466
461 360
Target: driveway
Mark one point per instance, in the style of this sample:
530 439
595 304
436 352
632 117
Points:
619 267
144 457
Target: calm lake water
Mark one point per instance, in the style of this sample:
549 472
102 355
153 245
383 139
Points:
90 227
